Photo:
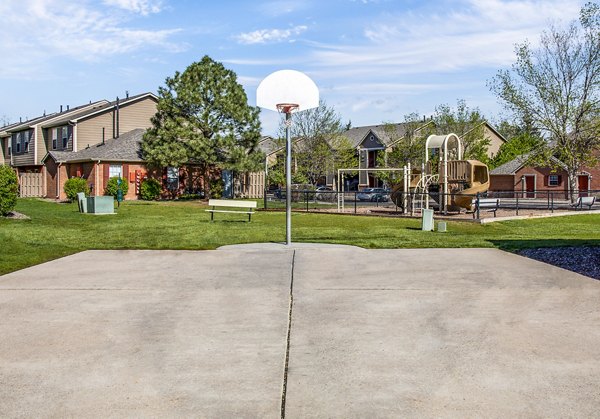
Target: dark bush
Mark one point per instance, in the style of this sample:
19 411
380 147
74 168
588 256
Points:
150 189
112 187
9 189
75 185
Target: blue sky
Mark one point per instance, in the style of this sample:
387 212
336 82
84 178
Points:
373 60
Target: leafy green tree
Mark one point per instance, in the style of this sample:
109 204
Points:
9 189
74 186
557 86
467 123
516 146
203 118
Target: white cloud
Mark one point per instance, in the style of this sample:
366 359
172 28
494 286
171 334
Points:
143 7
61 29
480 34
264 36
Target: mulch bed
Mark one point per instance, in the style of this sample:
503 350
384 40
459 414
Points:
584 260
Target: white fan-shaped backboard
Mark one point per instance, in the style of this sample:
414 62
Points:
287 87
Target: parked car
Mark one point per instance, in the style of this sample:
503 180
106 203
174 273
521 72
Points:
324 193
374 195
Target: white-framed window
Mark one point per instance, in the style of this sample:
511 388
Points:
26 138
173 178
553 180
65 137
54 138
115 170
18 142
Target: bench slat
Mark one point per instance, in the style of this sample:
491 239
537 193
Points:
233 212
231 203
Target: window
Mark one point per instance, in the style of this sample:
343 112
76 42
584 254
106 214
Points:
172 178
9 150
18 142
65 136
553 180
115 171
26 141
54 138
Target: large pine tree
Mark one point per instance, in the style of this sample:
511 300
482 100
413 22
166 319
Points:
203 118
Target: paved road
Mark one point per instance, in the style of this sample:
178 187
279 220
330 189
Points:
374 333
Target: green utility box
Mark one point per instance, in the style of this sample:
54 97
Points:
101 205
427 220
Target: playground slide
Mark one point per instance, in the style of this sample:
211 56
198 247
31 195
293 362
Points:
465 197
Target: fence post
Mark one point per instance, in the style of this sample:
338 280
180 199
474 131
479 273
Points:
355 194
517 204
552 203
306 197
265 199
478 205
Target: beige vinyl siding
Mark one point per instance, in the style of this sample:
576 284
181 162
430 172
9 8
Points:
40 145
23 158
495 141
89 131
136 115
131 116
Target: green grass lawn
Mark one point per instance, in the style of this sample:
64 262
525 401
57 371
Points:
56 230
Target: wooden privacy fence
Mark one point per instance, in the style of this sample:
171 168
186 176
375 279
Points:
31 185
250 185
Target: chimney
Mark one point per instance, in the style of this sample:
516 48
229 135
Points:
67 107
424 118
20 119
126 94
61 108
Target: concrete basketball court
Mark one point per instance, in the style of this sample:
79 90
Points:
373 333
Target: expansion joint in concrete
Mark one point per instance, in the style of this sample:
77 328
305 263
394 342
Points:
287 342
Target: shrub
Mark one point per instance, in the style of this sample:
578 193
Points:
216 188
9 189
150 189
112 186
75 185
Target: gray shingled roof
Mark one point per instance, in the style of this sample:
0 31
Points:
358 134
125 148
511 167
268 145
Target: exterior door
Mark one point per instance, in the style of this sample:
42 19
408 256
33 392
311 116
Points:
584 184
529 186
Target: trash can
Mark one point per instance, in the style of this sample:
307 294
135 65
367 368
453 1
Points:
427 220
441 227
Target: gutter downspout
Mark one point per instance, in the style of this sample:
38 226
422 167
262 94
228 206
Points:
58 181
96 178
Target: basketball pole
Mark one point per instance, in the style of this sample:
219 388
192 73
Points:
288 178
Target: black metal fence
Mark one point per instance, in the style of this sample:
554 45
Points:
411 203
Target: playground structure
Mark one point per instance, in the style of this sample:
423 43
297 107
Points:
451 183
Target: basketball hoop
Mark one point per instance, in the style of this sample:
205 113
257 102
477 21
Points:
287 107
287 91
